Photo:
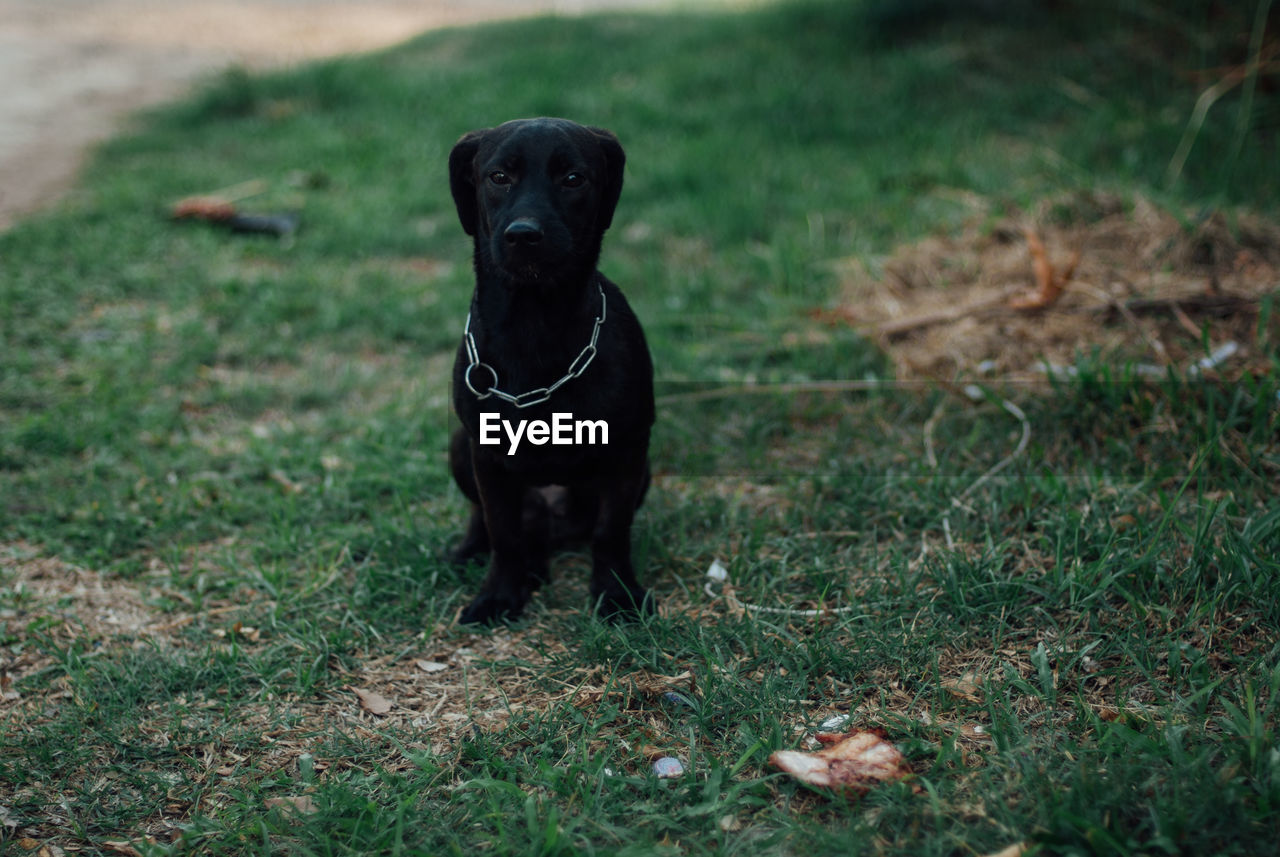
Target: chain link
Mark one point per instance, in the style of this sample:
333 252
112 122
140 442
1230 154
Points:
541 394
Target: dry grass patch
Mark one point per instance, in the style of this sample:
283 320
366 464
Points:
1136 282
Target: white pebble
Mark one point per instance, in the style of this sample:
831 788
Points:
668 767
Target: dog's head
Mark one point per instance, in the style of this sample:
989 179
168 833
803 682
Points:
537 195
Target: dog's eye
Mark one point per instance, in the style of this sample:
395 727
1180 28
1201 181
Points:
574 180
498 177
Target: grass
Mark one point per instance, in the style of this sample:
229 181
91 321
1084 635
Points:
225 499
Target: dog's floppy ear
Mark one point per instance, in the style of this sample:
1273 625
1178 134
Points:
462 178
615 159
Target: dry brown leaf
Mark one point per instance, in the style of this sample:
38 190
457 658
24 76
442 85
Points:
203 208
239 631
649 682
219 204
301 804
372 702
729 824
1039 262
652 751
286 484
849 763
120 846
967 686
1049 283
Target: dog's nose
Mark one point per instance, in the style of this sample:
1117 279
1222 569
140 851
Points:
524 230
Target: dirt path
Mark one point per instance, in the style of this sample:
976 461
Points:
71 70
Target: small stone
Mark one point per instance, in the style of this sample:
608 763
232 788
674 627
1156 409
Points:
831 724
668 767
717 571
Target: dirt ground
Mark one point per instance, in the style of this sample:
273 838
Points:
72 70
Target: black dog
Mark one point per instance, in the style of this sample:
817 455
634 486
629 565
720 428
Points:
549 340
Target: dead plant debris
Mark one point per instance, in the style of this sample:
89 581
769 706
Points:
1013 294
850 764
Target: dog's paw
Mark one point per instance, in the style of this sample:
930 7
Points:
539 575
489 608
624 605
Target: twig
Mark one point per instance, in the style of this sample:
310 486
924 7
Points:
1220 305
903 326
1023 440
1185 320
1162 354
187 620
780 611
958 500
784 389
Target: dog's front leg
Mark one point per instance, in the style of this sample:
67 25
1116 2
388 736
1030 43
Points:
614 588
476 539
517 561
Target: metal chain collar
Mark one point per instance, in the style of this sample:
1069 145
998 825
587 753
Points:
540 395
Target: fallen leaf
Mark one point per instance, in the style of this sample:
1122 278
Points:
1049 283
655 683
285 483
966 686
239 631
301 804
850 763
203 208
431 666
247 632
374 703
1123 522
120 846
729 824
219 204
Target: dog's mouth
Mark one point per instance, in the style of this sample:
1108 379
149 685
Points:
527 264
527 271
